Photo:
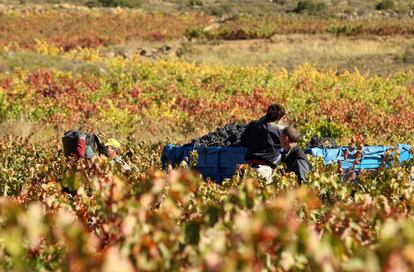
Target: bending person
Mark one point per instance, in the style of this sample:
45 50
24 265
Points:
113 151
261 138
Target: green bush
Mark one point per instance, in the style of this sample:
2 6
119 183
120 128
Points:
311 7
385 4
344 28
323 129
330 129
195 32
3 107
93 3
408 55
222 10
115 3
194 3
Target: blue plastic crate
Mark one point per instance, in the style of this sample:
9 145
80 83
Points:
217 163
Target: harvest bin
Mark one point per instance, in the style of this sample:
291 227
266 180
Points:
219 163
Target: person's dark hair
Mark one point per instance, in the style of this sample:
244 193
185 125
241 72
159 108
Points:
275 112
292 134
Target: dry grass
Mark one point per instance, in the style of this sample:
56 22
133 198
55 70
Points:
34 132
323 50
377 55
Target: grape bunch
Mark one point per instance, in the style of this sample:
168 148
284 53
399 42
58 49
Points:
229 135
322 142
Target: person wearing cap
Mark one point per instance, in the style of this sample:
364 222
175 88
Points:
113 150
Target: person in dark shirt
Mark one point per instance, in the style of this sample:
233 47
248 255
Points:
261 138
294 158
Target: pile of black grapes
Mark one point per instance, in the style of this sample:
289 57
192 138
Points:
322 142
229 135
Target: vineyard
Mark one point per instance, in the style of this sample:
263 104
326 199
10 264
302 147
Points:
80 27
60 214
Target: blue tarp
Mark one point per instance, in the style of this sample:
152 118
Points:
372 156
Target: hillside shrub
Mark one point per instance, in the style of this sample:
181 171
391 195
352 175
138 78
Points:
195 32
311 7
194 3
385 5
344 28
222 10
115 3
408 55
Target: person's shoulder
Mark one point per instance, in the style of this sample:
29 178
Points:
272 125
299 153
280 126
274 128
297 149
252 124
